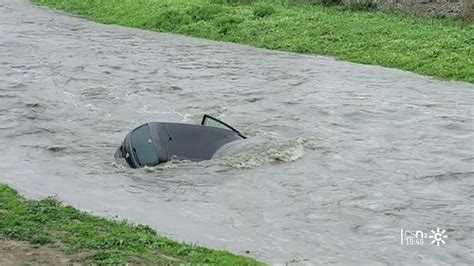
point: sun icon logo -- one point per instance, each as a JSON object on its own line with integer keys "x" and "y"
{"x": 438, "y": 236}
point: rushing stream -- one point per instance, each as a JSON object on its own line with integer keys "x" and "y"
{"x": 340, "y": 157}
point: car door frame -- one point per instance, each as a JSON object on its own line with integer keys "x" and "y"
{"x": 206, "y": 116}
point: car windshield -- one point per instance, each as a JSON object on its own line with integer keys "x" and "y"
{"x": 143, "y": 148}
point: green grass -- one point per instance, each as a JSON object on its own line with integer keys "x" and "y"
{"x": 99, "y": 240}
{"x": 442, "y": 47}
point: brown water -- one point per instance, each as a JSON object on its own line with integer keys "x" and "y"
{"x": 341, "y": 156}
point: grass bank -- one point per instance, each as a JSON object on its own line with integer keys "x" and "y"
{"x": 442, "y": 47}
{"x": 47, "y": 225}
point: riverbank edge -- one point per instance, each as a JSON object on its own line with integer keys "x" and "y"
{"x": 432, "y": 46}
{"x": 48, "y": 232}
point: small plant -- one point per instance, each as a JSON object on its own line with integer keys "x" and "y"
{"x": 263, "y": 10}
{"x": 171, "y": 19}
{"x": 227, "y": 23}
{"x": 362, "y": 5}
{"x": 331, "y": 2}
{"x": 205, "y": 12}
{"x": 235, "y": 2}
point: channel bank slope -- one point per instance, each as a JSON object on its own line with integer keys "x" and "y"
{"x": 343, "y": 155}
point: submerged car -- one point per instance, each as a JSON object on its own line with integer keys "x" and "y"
{"x": 157, "y": 142}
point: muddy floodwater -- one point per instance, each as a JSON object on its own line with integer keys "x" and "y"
{"x": 341, "y": 157}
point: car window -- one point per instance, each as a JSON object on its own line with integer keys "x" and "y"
{"x": 210, "y": 121}
{"x": 142, "y": 146}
